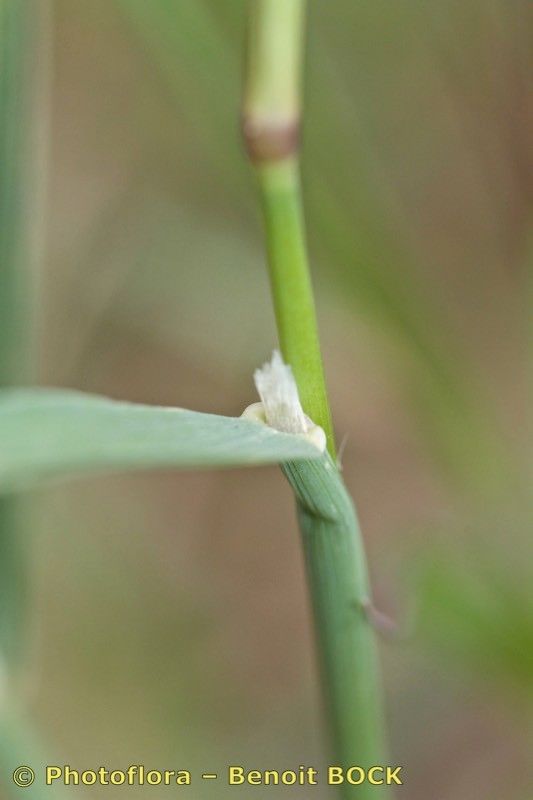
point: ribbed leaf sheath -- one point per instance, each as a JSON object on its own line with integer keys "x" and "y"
{"x": 339, "y": 591}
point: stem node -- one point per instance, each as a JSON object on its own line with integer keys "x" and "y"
{"x": 270, "y": 141}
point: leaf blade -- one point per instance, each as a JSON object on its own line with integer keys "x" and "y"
{"x": 51, "y": 433}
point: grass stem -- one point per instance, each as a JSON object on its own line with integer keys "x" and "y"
{"x": 334, "y": 553}
{"x": 291, "y": 287}
{"x": 14, "y": 294}
{"x": 340, "y": 594}
{"x": 271, "y": 123}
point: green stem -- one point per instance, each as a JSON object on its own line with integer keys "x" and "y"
{"x": 273, "y": 75}
{"x": 13, "y": 126}
{"x": 14, "y": 294}
{"x": 271, "y": 120}
{"x": 340, "y": 592}
{"x": 291, "y": 288}
{"x": 334, "y": 553}
{"x": 23, "y": 77}
{"x": 23, "y": 117}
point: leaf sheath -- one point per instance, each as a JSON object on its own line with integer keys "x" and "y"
{"x": 339, "y": 590}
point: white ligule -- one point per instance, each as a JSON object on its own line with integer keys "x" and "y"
{"x": 279, "y": 395}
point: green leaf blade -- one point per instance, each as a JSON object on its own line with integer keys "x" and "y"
{"x": 53, "y": 433}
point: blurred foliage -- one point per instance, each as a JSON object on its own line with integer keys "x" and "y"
{"x": 22, "y": 97}
{"x": 479, "y": 616}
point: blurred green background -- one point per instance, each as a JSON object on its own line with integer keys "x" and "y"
{"x": 170, "y": 623}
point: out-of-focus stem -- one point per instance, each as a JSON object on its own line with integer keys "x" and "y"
{"x": 23, "y": 104}
{"x": 23, "y": 84}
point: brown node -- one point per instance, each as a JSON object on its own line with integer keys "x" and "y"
{"x": 270, "y": 141}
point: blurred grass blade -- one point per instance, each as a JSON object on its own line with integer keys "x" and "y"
{"x": 484, "y": 615}
{"x": 178, "y": 38}
{"x": 13, "y": 122}
{"x": 47, "y": 433}
{"x": 20, "y": 746}
{"x": 24, "y": 77}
